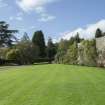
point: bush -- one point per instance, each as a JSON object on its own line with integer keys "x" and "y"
{"x": 72, "y": 54}
{"x": 87, "y": 53}
{"x": 13, "y": 54}
{"x": 42, "y": 60}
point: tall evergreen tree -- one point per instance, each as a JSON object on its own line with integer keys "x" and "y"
{"x": 38, "y": 40}
{"x": 77, "y": 38}
{"x": 98, "y": 33}
{"x": 6, "y": 35}
{"x": 51, "y": 49}
{"x": 25, "y": 38}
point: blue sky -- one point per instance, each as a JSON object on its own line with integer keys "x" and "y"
{"x": 57, "y": 18}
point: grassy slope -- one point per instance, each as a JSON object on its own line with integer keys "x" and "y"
{"x": 52, "y": 85}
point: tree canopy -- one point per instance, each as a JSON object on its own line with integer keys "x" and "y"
{"x": 6, "y": 35}
{"x": 98, "y": 33}
{"x": 51, "y": 49}
{"x": 38, "y": 40}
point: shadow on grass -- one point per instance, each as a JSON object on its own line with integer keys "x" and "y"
{"x": 45, "y": 63}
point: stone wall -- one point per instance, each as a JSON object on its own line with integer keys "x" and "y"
{"x": 100, "y": 43}
{"x": 83, "y": 55}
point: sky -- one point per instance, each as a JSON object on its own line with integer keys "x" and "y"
{"x": 56, "y": 18}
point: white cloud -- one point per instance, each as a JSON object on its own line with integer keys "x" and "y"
{"x": 28, "y": 5}
{"x": 15, "y": 18}
{"x": 38, "y": 6}
{"x": 46, "y": 17}
{"x": 40, "y": 10}
{"x": 88, "y": 32}
{"x": 18, "y": 17}
{"x": 3, "y": 4}
{"x": 32, "y": 27}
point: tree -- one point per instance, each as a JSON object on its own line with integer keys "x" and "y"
{"x": 51, "y": 49}
{"x": 88, "y": 53}
{"x": 98, "y": 33}
{"x": 77, "y": 38}
{"x": 14, "y": 54}
{"x": 72, "y": 54}
{"x": 29, "y": 52}
{"x": 3, "y": 52}
{"x": 38, "y": 40}
{"x": 6, "y": 35}
{"x": 104, "y": 34}
{"x": 61, "y": 51}
{"x": 25, "y": 38}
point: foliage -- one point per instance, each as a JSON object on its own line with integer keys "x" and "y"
{"x": 25, "y": 38}
{"x": 38, "y": 40}
{"x": 72, "y": 54}
{"x": 68, "y": 50}
{"x": 98, "y": 33}
{"x": 28, "y": 52}
{"x": 51, "y": 49}
{"x": 62, "y": 49}
{"x": 88, "y": 53}
{"x": 104, "y": 34}
{"x": 13, "y": 54}
{"x": 73, "y": 51}
{"x": 76, "y": 39}
{"x": 6, "y": 35}
{"x": 3, "y": 52}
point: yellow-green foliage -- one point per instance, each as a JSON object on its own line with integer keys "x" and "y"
{"x": 89, "y": 53}
{"x": 13, "y": 54}
{"x": 72, "y": 54}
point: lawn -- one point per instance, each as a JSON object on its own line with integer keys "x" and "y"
{"x": 52, "y": 85}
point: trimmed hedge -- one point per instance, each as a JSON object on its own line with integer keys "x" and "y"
{"x": 5, "y": 62}
{"x": 40, "y": 60}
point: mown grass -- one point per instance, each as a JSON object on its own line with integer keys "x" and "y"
{"x": 52, "y": 85}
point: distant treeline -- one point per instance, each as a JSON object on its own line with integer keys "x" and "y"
{"x": 80, "y": 51}
{"x": 25, "y": 50}
{"x": 29, "y": 51}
